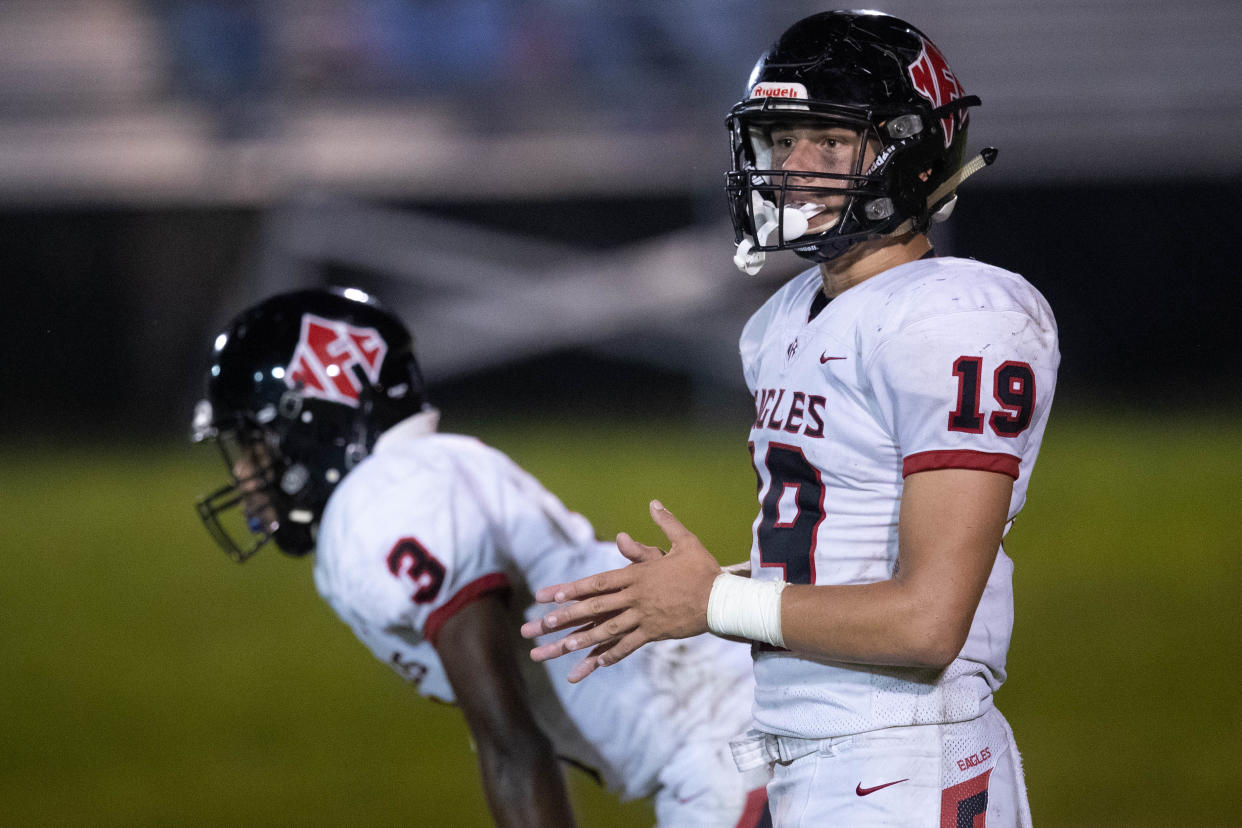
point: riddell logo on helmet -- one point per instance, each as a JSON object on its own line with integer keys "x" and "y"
{"x": 326, "y": 356}
{"x": 779, "y": 90}
{"x": 933, "y": 79}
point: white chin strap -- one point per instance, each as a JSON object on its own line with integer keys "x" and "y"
{"x": 796, "y": 220}
{"x": 983, "y": 159}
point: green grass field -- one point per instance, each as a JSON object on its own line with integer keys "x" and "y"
{"x": 147, "y": 680}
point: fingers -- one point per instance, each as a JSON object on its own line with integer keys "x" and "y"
{"x": 590, "y": 636}
{"x": 601, "y": 609}
{"x": 582, "y": 588}
{"x": 583, "y": 669}
{"x": 635, "y": 551}
{"x": 556, "y": 649}
{"x": 609, "y": 656}
{"x": 594, "y": 610}
{"x": 534, "y": 629}
{"x": 588, "y": 664}
{"x": 669, "y": 524}
{"x": 617, "y": 579}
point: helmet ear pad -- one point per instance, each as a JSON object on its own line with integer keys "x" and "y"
{"x": 315, "y": 452}
{"x": 912, "y": 175}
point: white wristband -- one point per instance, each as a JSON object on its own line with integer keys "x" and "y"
{"x": 746, "y": 608}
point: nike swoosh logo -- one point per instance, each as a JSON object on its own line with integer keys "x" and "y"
{"x": 824, "y": 358}
{"x": 861, "y": 791}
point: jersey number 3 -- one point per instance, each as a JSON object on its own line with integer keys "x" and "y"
{"x": 411, "y": 560}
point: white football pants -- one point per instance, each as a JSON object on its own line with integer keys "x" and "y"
{"x": 961, "y": 775}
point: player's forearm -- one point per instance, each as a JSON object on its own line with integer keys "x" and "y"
{"x": 950, "y": 528}
{"x": 525, "y": 790}
{"x": 886, "y": 623}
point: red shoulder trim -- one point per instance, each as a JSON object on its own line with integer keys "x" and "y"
{"x": 960, "y": 459}
{"x": 466, "y": 595}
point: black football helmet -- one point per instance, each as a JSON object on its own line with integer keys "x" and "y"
{"x": 300, "y": 387}
{"x": 873, "y": 74}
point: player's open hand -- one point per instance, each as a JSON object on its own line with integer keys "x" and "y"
{"x": 658, "y": 596}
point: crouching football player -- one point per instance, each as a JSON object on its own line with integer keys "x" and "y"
{"x": 430, "y": 547}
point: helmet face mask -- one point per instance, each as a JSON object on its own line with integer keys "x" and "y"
{"x": 242, "y": 515}
{"x": 871, "y": 74}
{"x": 822, "y": 184}
{"x": 300, "y": 388}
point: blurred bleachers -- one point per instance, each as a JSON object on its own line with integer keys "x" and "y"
{"x": 168, "y": 161}
{"x": 240, "y": 101}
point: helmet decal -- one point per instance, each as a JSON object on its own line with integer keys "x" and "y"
{"x": 326, "y": 355}
{"x": 934, "y": 80}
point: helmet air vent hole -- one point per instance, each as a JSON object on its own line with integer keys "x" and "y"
{"x": 294, "y": 479}
{"x": 290, "y": 404}
{"x": 354, "y": 454}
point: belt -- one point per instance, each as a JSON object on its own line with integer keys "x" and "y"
{"x": 755, "y": 749}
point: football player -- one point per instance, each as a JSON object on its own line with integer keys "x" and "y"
{"x": 900, "y": 402}
{"x": 430, "y": 547}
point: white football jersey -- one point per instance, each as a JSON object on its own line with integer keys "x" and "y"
{"x": 430, "y": 521}
{"x": 939, "y": 363}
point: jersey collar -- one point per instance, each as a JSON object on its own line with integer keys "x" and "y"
{"x": 423, "y": 423}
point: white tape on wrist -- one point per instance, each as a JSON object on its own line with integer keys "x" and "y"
{"x": 746, "y": 608}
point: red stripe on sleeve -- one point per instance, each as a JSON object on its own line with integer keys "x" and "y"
{"x": 466, "y": 595}
{"x": 963, "y": 459}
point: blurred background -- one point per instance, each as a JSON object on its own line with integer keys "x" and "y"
{"x": 537, "y": 187}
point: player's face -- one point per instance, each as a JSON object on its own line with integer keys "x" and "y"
{"x": 252, "y": 471}
{"x": 816, "y": 148}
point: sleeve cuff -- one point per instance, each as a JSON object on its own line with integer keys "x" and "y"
{"x": 1005, "y": 464}
{"x": 466, "y": 595}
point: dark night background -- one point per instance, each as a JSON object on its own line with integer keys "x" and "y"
{"x": 106, "y": 311}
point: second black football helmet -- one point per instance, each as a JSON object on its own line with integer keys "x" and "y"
{"x": 868, "y": 72}
{"x": 300, "y": 387}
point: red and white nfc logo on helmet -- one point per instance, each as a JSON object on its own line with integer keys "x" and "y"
{"x": 326, "y": 356}
{"x": 934, "y": 80}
